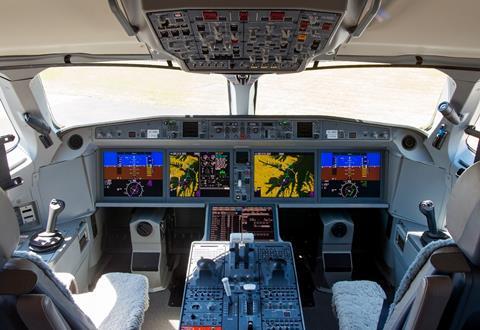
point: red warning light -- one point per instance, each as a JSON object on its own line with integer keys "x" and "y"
{"x": 277, "y": 15}
{"x": 326, "y": 26}
{"x": 210, "y": 15}
{"x": 303, "y": 25}
{"x": 243, "y": 16}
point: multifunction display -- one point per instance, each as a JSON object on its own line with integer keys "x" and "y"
{"x": 225, "y": 220}
{"x": 351, "y": 175}
{"x": 199, "y": 174}
{"x": 284, "y": 174}
{"x": 133, "y": 174}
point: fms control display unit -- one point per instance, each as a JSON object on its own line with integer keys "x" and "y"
{"x": 246, "y": 282}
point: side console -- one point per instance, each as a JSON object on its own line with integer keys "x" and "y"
{"x": 241, "y": 284}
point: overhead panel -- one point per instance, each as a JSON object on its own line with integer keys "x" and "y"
{"x": 244, "y": 40}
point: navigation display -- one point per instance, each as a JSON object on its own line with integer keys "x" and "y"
{"x": 225, "y": 220}
{"x": 133, "y": 173}
{"x": 351, "y": 175}
{"x": 199, "y": 174}
{"x": 284, "y": 174}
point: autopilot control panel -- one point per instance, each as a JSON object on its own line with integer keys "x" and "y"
{"x": 242, "y": 282}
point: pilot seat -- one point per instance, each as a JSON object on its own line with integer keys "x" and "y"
{"x": 436, "y": 282}
{"x": 32, "y": 296}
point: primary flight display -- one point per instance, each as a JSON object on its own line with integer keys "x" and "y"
{"x": 351, "y": 175}
{"x": 199, "y": 174}
{"x": 284, "y": 174}
{"x": 132, "y": 173}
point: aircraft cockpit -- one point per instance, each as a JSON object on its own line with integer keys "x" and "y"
{"x": 239, "y": 165}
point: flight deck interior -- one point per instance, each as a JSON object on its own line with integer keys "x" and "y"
{"x": 246, "y": 219}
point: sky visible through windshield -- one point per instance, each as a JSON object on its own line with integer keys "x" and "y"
{"x": 89, "y": 95}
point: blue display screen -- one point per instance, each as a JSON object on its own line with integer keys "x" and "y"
{"x": 351, "y": 174}
{"x": 330, "y": 159}
{"x": 133, "y": 173}
{"x": 114, "y": 158}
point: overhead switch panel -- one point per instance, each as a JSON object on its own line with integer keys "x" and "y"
{"x": 244, "y": 40}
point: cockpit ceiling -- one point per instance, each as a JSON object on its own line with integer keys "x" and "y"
{"x": 427, "y": 27}
{"x": 62, "y": 26}
{"x": 406, "y": 27}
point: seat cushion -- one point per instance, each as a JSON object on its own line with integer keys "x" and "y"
{"x": 119, "y": 301}
{"x": 357, "y": 304}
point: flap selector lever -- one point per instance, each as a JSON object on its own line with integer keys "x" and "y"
{"x": 51, "y": 238}
{"x": 427, "y": 208}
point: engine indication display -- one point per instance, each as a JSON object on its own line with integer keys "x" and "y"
{"x": 284, "y": 174}
{"x": 133, "y": 174}
{"x": 199, "y": 174}
{"x": 351, "y": 175}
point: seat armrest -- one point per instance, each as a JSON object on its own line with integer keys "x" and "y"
{"x": 37, "y": 311}
{"x": 69, "y": 281}
{"x": 430, "y": 302}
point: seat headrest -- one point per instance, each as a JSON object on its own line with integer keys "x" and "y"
{"x": 463, "y": 213}
{"x": 9, "y": 229}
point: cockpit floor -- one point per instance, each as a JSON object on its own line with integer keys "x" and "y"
{"x": 160, "y": 315}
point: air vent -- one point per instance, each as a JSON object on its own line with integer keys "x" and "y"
{"x": 190, "y": 129}
{"x": 75, "y": 142}
{"x": 26, "y": 215}
{"x": 144, "y": 229}
{"x": 409, "y": 142}
{"x": 304, "y": 129}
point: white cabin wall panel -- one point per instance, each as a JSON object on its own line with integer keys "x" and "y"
{"x": 417, "y": 182}
{"x": 67, "y": 181}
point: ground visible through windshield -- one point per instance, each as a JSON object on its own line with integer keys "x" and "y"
{"x": 87, "y": 95}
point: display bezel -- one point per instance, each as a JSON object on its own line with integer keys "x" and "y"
{"x": 208, "y": 217}
{"x": 100, "y": 184}
{"x": 292, "y": 200}
{"x": 198, "y": 199}
{"x": 341, "y": 200}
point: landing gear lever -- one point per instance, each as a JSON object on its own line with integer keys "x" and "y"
{"x": 427, "y": 208}
{"x": 50, "y": 239}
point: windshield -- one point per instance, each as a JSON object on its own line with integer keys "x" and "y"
{"x": 89, "y": 95}
{"x": 401, "y": 96}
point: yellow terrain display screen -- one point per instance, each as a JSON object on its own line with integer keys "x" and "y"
{"x": 199, "y": 174}
{"x": 284, "y": 174}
